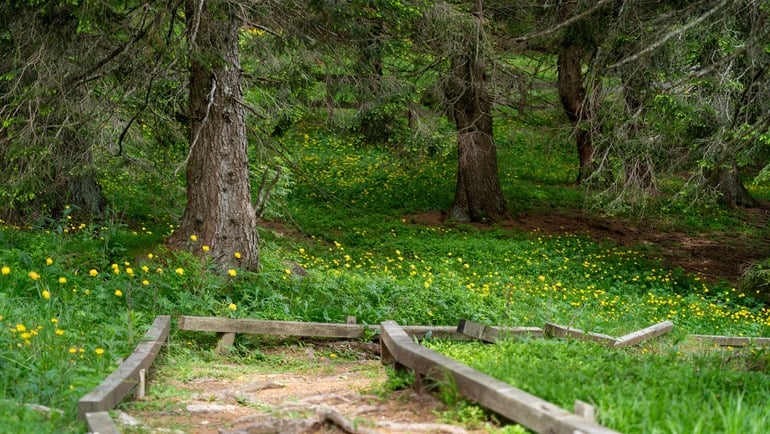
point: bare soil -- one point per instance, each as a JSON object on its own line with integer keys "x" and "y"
{"x": 292, "y": 402}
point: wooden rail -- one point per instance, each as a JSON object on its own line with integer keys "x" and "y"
{"x": 306, "y": 329}
{"x": 534, "y": 413}
{"x": 117, "y": 385}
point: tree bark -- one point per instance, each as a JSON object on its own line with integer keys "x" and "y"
{"x": 727, "y": 182}
{"x": 478, "y": 195}
{"x": 219, "y": 210}
{"x": 572, "y": 94}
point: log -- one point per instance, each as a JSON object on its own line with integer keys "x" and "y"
{"x": 117, "y": 385}
{"x": 492, "y": 334}
{"x": 644, "y": 334}
{"x": 569, "y": 332}
{"x": 514, "y": 404}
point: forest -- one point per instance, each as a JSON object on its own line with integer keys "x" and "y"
{"x": 603, "y": 164}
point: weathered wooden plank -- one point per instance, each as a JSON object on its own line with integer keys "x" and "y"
{"x": 535, "y": 413}
{"x": 266, "y": 327}
{"x": 493, "y": 334}
{"x": 117, "y": 385}
{"x": 568, "y": 332}
{"x": 644, "y": 334}
{"x": 732, "y": 341}
{"x": 307, "y": 329}
{"x": 100, "y": 422}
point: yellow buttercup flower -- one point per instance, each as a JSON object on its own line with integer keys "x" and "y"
{"x": 20, "y": 328}
{"x": 232, "y": 307}
{"x": 237, "y": 255}
{"x": 232, "y": 272}
{"x": 48, "y": 261}
{"x": 33, "y": 275}
{"x": 193, "y": 238}
{"x": 46, "y": 294}
{"x": 205, "y": 248}
{"x": 99, "y": 351}
{"x": 62, "y": 280}
{"x": 93, "y": 273}
{"x": 118, "y": 293}
{"x": 179, "y": 271}
{"x": 5, "y": 270}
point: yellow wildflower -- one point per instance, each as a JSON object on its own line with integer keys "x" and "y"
{"x": 48, "y": 261}
{"x": 99, "y": 351}
{"x": 193, "y": 238}
{"x": 59, "y": 332}
{"x": 46, "y": 294}
{"x": 118, "y": 293}
{"x": 232, "y": 307}
{"x": 205, "y": 248}
{"x": 20, "y": 328}
{"x": 5, "y": 270}
{"x": 62, "y": 280}
{"x": 33, "y": 275}
{"x": 232, "y": 272}
{"x": 179, "y": 271}
{"x": 237, "y": 255}
{"x": 145, "y": 282}
{"x": 93, "y": 273}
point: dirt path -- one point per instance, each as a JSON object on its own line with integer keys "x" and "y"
{"x": 212, "y": 400}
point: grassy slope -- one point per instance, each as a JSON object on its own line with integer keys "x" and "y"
{"x": 368, "y": 255}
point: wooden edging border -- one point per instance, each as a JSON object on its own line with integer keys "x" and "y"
{"x": 397, "y": 346}
{"x": 510, "y": 402}
{"x": 305, "y": 329}
{"x": 117, "y": 385}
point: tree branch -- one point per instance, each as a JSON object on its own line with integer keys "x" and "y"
{"x": 666, "y": 37}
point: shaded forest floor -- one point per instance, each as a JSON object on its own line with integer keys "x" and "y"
{"x": 712, "y": 255}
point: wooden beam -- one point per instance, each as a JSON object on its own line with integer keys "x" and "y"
{"x": 306, "y": 329}
{"x": 534, "y": 413}
{"x": 276, "y": 328}
{"x": 644, "y": 334}
{"x": 492, "y": 334}
{"x": 117, "y": 385}
{"x": 732, "y": 341}
{"x": 569, "y": 332}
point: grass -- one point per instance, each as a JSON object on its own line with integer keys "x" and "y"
{"x": 658, "y": 388}
{"x": 76, "y": 296}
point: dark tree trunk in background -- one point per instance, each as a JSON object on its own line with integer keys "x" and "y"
{"x": 727, "y": 182}
{"x": 572, "y": 94}
{"x": 219, "y": 209}
{"x": 478, "y": 196}
{"x": 74, "y": 182}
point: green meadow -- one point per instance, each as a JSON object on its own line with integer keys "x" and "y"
{"x": 76, "y": 297}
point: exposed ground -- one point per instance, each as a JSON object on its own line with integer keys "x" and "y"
{"x": 308, "y": 401}
{"x": 328, "y": 395}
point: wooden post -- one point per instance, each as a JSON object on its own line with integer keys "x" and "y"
{"x": 225, "y": 343}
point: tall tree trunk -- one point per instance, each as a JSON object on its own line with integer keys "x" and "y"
{"x": 478, "y": 196}
{"x": 572, "y": 94}
{"x": 219, "y": 210}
